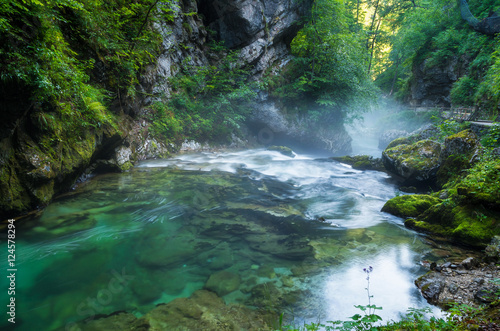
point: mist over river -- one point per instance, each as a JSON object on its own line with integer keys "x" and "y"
{"x": 303, "y": 226}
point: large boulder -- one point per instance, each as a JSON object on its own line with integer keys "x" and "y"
{"x": 432, "y": 285}
{"x": 409, "y": 205}
{"x": 223, "y": 282}
{"x": 465, "y": 143}
{"x": 417, "y": 164}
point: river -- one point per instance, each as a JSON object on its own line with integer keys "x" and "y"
{"x": 307, "y": 226}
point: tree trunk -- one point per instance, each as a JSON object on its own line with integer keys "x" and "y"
{"x": 373, "y": 46}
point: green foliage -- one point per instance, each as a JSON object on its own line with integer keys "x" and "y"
{"x": 433, "y": 35}
{"x": 448, "y": 128}
{"x": 50, "y": 48}
{"x": 462, "y": 92}
{"x": 492, "y": 138}
{"x": 329, "y": 68}
{"x": 211, "y": 102}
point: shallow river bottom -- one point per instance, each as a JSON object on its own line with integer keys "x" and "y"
{"x": 304, "y": 227}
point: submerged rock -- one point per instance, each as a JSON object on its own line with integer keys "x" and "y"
{"x": 361, "y": 162}
{"x": 203, "y": 310}
{"x": 282, "y": 149}
{"x": 223, "y": 282}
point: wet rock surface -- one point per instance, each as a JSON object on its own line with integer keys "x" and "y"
{"x": 416, "y": 164}
{"x": 362, "y": 162}
{"x": 204, "y": 310}
{"x": 468, "y": 282}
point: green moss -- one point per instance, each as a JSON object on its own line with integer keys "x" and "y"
{"x": 13, "y": 197}
{"x": 282, "y": 149}
{"x": 410, "y": 205}
{"x": 452, "y": 169}
{"x": 482, "y": 184}
{"x": 464, "y": 224}
{"x": 400, "y": 141}
{"x": 361, "y": 162}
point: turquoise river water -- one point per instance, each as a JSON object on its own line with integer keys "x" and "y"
{"x": 307, "y": 226}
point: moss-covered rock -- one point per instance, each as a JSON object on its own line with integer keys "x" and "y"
{"x": 410, "y": 205}
{"x": 464, "y": 224}
{"x": 400, "y": 141}
{"x": 361, "y": 162}
{"x": 452, "y": 169}
{"x": 282, "y": 149}
{"x": 481, "y": 186}
{"x": 416, "y": 164}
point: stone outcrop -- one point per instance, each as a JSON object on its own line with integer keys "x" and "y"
{"x": 416, "y": 164}
{"x": 468, "y": 282}
{"x": 409, "y": 205}
{"x": 431, "y": 84}
{"x": 419, "y": 160}
{"x": 467, "y": 209}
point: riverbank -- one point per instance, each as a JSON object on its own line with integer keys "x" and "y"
{"x": 455, "y": 168}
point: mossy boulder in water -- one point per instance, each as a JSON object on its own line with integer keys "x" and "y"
{"x": 282, "y": 149}
{"x": 361, "y": 162}
{"x": 409, "y": 205}
{"x": 416, "y": 164}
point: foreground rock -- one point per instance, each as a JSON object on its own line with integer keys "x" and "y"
{"x": 468, "y": 282}
{"x": 204, "y": 310}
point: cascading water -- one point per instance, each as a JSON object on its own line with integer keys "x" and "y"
{"x": 307, "y": 227}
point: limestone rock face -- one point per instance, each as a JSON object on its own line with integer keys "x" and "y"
{"x": 262, "y": 29}
{"x": 431, "y": 84}
{"x": 416, "y": 163}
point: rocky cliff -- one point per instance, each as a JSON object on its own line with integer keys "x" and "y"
{"x": 431, "y": 84}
